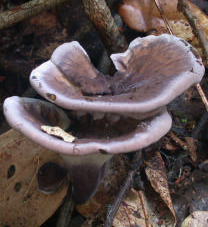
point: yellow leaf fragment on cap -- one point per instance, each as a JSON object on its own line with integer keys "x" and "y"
{"x": 57, "y": 131}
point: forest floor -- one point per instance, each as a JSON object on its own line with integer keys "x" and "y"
{"x": 184, "y": 150}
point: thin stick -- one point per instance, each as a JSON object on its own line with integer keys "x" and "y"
{"x": 162, "y": 13}
{"x": 99, "y": 14}
{"x": 26, "y": 10}
{"x": 203, "y": 97}
{"x": 182, "y": 144}
{"x": 136, "y": 163}
{"x": 114, "y": 208}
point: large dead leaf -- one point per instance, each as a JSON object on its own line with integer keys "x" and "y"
{"x": 21, "y": 204}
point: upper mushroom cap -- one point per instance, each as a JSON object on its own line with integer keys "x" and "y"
{"x": 151, "y": 73}
{"x": 28, "y": 115}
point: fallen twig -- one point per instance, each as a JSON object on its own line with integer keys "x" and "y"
{"x": 178, "y": 141}
{"x": 203, "y": 97}
{"x": 162, "y": 13}
{"x": 128, "y": 182}
{"x": 99, "y": 14}
{"x": 114, "y": 208}
{"x": 26, "y": 10}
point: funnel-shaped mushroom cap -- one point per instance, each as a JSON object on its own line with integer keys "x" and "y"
{"x": 85, "y": 156}
{"x": 28, "y": 115}
{"x": 151, "y": 73}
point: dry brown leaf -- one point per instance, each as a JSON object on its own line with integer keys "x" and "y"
{"x": 149, "y": 207}
{"x": 21, "y": 204}
{"x": 192, "y": 147}
{"x": 132, "y": 211}
{"x": 143, "y": 208}
{"x": 156, "y": 173}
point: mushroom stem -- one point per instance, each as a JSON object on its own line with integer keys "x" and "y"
{"x": 86, "y": 171}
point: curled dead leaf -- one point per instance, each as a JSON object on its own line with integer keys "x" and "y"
{"x": 156, "y": 173}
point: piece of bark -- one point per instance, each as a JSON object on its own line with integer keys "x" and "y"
{"x": 26, "y": 10}
{"x": 99, "y": 14}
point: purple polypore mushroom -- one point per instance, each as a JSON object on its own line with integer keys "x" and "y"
{"x": 95, "y": 140}
{"x": 151, "y": 73}
{"x": 112, "y": 115}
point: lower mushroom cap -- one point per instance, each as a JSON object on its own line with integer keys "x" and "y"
{"x": 98, "y": 137}
{"x": 28, "y": 115}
